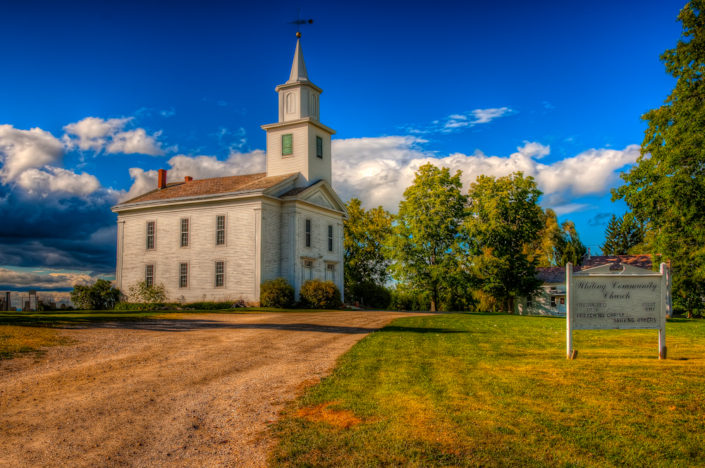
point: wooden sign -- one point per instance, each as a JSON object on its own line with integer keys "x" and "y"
{"x": 616, "y": 297}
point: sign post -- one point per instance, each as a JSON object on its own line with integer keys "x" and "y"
{"x": 616, "y": 297}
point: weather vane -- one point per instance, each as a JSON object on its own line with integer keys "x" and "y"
{"x": 299, "y": 22}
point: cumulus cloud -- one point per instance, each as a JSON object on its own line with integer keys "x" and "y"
{"x": 55, "y": 179}
{"x": 96, "y": 134}
{"x": 378, "y": 170}
{"x": 198, "y": 167}
{"x": 456, "y": 122}
{"x": 25, "y": 149}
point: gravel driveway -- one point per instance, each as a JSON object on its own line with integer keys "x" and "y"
{"x": 195, "y": 391}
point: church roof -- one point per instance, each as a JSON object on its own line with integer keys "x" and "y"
{"x": 215, "y": 186}
{"x": 557, "y": 274}
{"x": 298, "y": 68}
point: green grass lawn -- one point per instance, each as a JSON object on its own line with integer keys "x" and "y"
{"x": 496, "y": 390}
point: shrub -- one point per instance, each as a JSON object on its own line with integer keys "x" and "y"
{"x": 318, "y": 294}
{"x": 142, "y": 292}
{"x": 277, "y": 293}
{"x": 406, "y": 298}
{"x": 369, "y": 294}
{"x": 101, "y": 295}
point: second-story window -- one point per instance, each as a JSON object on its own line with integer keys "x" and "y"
{"x": 330, "y": 238}
{"x": 308, "y": 233}
{"x": 149, "y": 275}
{"x": 150, "y": 235}
{"x": 319, "y": 147}
{"x": 220, "y": 230}
{"x": 183, "y": 275}
{"x": 184, "y": 233}
{"x": 287, "y": 144}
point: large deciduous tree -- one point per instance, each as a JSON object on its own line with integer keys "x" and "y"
{"x": 366, "y": 231}
{"x": 666, "y": 188}
{"x": 502, "y": 229}
{"x": 424, "y": 244}
{"x": 558, "y": 243}
{"x": 99, "y": 296}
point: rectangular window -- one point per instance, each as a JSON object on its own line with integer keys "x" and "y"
{"x": 330, "y": 272}
{"x": 319, "y": 147}
{"x": 553, "y": 301}
{"x": 219, "y": 274}
{"x": 308, "y": 233}
{"x": 220, "y": 230}
{"x": 149, "y": 275}
{"x": 287, "y": 144}
{"x": 184, "y": 233}
{"x": 150, "y": 235}
{"x": 183, "y": 275}
{"x": 330, "y": 238}
{"x": 530, "y": 301}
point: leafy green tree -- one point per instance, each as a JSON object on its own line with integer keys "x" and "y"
{"x": 100, "y": 296}
{"x": 558, "y": 243}
{"x": 666, "y": 188}
{"x": 366, "y": 232}
{"x": 503, "y": 226}
{"x": 424, "y": 245}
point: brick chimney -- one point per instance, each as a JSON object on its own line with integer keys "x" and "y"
{"x": 188, "y": 179}
{"x": 161, "y": 179}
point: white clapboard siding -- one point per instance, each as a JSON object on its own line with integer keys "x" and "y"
{"x": 280, "y": 165}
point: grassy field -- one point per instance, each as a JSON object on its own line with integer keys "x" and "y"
{"x": 496, "y": 391}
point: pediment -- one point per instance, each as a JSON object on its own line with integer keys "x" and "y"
{"x": 318, "y": 198}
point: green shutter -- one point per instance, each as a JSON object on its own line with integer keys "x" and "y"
{"x": 319, "y": 147}
{"x": 287, "y": 145}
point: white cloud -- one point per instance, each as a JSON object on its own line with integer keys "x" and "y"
{"x": 25, "y": 149}
{"x": 378, "y": 170}
{"x": 43, "y": 280}
{"x": 455, "y": 122}
{"x": 57, "y": 180}
{"x": 198, "y": 167}
{"x": 96, "y": 134}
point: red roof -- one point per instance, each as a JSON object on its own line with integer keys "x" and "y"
{"x": 215, "y": 186}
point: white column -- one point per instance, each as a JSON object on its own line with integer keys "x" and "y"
{"x": 258, "y": 251}
{"x": 120, "y": 254}
{"x": 569, "y": 310}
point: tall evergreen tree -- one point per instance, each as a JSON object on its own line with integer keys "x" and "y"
{"x": 424, "y": 244}
{"x": 613, "y": 237}
{"x": 666, "y": 188}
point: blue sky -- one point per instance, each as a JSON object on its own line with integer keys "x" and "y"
{"x": 115, "y": 90}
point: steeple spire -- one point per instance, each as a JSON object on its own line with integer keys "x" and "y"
{"x": 298, "y": 68}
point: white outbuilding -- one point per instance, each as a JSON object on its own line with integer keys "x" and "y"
{"x": 221, "y": 238}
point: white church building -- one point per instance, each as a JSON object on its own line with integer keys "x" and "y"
{"x": 223, "y": 237}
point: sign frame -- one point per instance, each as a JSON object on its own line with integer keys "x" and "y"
{"x": 604, "y": 271}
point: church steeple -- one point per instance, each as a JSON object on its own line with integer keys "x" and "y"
{"x": 299, "y": 142}
{"x": 298, "y": 68}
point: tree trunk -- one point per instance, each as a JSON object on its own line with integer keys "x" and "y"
{"x": 510, "y": 302}
{"x": 690, "y": 314}
{"x": 433, "y": 304}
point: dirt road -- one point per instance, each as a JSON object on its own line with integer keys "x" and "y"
{"x": 197, "y": 391}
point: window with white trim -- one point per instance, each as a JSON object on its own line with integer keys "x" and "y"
{"x": 149, "y": 275}
{"x": 529, "y": 301}
{"x": 184, "y": 232}
{"x": 330, "y": 238}
{"x": 308, "y": 233}
{"x": 308, "y": 270}
{"x": 183, "y": 275}
{"x": 150, "y": 235}
{"x": 330, "y": 272}
{"x": 219, "y": 274}
{"x": 319, "y": 147}
{"x": 220, "y": 230}
{"x": 553, "y": 301}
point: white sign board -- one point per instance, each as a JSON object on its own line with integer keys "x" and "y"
{"x": 610, "y": 298}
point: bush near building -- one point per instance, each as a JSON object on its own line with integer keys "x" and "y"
{"x": 317, "y": 294}
{"x": 277, "y": 293}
